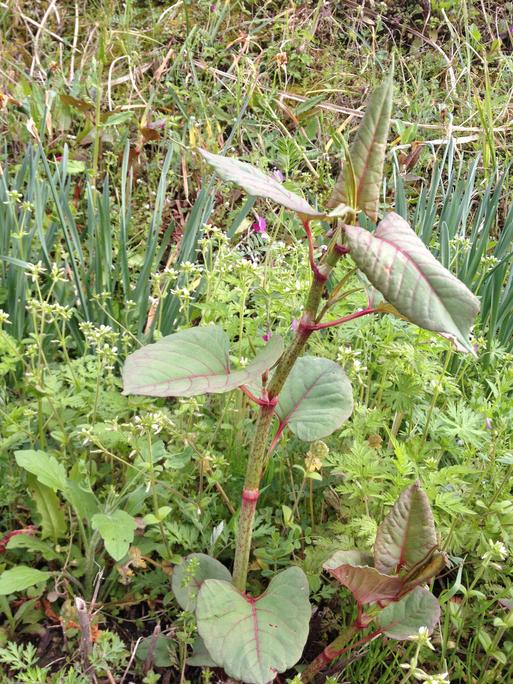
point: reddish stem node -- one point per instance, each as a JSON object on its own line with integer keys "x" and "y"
{"x": 342, "y": 249}
{"x": 261, "y": 401}
{"x": 250, "y": 495}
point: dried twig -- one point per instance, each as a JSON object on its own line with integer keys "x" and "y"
{"x": 84, "y": 621}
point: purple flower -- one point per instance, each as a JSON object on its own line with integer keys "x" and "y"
{"x": 294, "y": 325}
{"x": 260, "y": 225}
{"x": 489, "y": 425}
{"x": 266, "y": 336}
{"x": 278, "y": 175}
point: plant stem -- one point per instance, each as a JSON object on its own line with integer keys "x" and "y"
{"x": 331, "y": 652}
{"x": 258, "y": 455}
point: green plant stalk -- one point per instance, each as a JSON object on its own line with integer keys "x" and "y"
{"x": 258, "y": 455}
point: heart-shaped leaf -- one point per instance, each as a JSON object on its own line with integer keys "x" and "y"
{"x": 254, "y": 639}
{"x": 191, "y": 573}
{"x": 21, "y": 577}
{"x": 397, "y": 262}
{"x": 193, "y": 361}
{"x": 257, "y": 183}
{"x": 316, "y": 399}
{"x": 117, "y": 531}
{"x": 361, "y": 175}
{"x": 407, "y": 534}
{"x": 46, "y": 468}
{"x": 404, "y": 618}
{"x": 365, "y": 583}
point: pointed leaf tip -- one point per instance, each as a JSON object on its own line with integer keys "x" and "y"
{"x": 258, "y": 184}
{"x": 191, "y": 362}
{"x": 401, "y": 267}
{"x": 407, "y": 534}
{"x": 362, "y": 173}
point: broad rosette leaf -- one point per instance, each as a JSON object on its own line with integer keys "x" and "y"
{"x": 407, "y": 534}
{"x": 193, "y": 361}
{"x": 316, "y": 398}
{"x": 404, "y": 618}
{"x": 188, "y": 579}
{"x": 361, "y": 174}
{"x": 254, "y": 639}
{"x": 258, "y": 184}
{"x": 400, "y": 266}
{"x": 365, "y": 583}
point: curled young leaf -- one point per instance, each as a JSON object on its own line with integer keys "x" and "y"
{"x": 258, "y": 184}
{"x": 366, "y": 584}
{"x": 400, "y": 266}
{"x": 316, "y": 399}
{"x": 359, "y": 182}
{"x": 193, "y": 361}
{"x": 407, "y": 534}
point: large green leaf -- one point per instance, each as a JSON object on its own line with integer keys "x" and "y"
{"x": 407, "y": 534}
{"x": 363, "y": 173}
{"x": 254, "y": 639}
{"x": 404, "y": 618}
{"x": 81, "y": 499}
{"x": 365, "y": 583}
{"x": 257, "y": 183}
{"x": 316, "y": 398}
{"x": 117, "y": 531}
{"x": 193, "y": 361}
{"x": 46, "y": 468}
{"x": 191, "y": 573}
{"x": 400, "y": 266}
{"x": 21, "y": 577}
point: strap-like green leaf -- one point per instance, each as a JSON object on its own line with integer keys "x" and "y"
{"x": 407, "y": 534}
{"x": 400, "y": 266}
{"x": 366, "y": 584}
{"x": 255, "y": 638}
{"x": 257, "y": 183}
{"x": 316, "y": 398}
{"x": 367, "y": 154}
{"x": 404, "y": 618}
{"x": 193, "y": 361}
